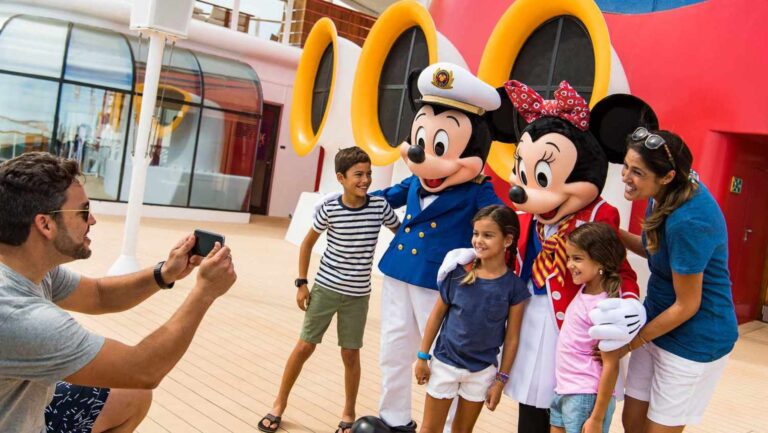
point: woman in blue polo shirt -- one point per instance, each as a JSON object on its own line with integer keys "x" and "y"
{"x": 678, "y": 357}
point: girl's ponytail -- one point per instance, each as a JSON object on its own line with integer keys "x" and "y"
{"x": 511, "y": 254}
{"x": 472, "y": 273}
{"x": 612, "y": 283}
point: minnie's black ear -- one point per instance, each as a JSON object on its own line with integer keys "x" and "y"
{"x": 414, "y": 96}
{"x": 614, "y": 118}
{"x": 503, "y": 121}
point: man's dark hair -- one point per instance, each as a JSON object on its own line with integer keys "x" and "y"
{"x": 31, "y": 184}
{"x": 348, "y": 157}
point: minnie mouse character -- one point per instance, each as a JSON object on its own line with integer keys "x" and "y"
{"x": 561, "y": 163}
{"x": 457, "y": 118}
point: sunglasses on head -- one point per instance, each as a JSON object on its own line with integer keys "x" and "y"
{"x": 85, "y": 214}
{"x": 652, "y": 141}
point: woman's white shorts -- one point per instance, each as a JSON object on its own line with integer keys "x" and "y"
{"x": 677, "y": 389}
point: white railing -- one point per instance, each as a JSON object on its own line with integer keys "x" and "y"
{"x": 211, "y": 12}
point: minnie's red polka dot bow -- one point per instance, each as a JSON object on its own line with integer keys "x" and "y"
{"x": 567, "y": 105}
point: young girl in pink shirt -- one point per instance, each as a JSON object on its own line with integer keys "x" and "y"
{"x": 584, "y": 400}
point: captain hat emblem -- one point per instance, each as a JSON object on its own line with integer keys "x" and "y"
{"x": 443, "y": 78}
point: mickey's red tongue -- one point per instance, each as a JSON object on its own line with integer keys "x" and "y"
{"x": 549, "y": 215}
{"x": 434, "y": 183}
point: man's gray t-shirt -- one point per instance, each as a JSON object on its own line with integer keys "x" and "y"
{"x": 40, "y": 344}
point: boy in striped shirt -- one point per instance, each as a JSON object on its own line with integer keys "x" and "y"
{"x": 343, "y": 282}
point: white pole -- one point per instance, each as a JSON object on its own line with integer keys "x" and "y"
{"x": 127, "y": 261}
{"x": 234, "y": 19}
{"x": 288, "y": 22}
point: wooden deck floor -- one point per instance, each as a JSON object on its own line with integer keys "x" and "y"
{"x": 228, "y": 379}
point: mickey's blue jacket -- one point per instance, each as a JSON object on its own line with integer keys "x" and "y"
{"x": 425, "y": 236}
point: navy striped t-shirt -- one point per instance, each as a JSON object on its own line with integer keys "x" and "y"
{"x": 352, "y": 234}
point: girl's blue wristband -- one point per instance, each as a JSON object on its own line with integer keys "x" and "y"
{"x": 423, "y": 356}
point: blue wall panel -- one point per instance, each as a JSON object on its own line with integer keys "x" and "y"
{"x": 641, "y": 6}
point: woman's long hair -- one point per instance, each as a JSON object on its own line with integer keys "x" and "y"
{"x": 675, "y": 193}
{"x": 601, "y": 242}
{"x": 506, "y": 219}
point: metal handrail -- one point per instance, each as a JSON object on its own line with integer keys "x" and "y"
{"x": 286, "y": 33}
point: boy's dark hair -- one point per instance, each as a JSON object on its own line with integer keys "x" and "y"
{"x": 31, "y": 184}
{"x": 346, "y": 158}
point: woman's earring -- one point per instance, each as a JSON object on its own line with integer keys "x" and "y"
{"x": 600, "y": 271}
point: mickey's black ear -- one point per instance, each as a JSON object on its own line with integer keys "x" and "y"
{"x": 503, "y": 121}
{"x": 414, "y": 96}
{"x": 614, "y": 118}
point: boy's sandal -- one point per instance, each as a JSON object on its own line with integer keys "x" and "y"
{"x": 343, "y": 427}
{"x": 273, "y": 421}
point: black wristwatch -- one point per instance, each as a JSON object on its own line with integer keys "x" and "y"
{"x": 300, "y": 282}
{"x": 159, "y": 276}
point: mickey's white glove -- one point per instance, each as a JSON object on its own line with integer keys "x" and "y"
{"x": 326, "y": 198}
{"x": 459, "y": 256}
{"x": 616, "y": 322}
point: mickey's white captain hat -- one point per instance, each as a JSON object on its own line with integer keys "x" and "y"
{"x": 453, "y": 86}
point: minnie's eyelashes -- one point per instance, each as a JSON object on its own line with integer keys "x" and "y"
{"x": 548, "y": 158}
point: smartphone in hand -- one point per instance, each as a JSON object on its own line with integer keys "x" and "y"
{"x": 205, "y": 241}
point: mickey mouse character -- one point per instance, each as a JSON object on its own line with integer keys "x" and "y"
{"x": 561, "y": 163}
{"x": 457, "y": 118}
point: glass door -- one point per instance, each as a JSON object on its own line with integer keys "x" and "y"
{"x": 265, "y": 157}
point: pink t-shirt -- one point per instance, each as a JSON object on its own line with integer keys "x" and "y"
{"x": 576, "y": 372}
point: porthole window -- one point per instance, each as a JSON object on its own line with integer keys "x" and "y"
{"x": 560, "y": 49}
{"x": 322, "y": 88}
{"x": 409, "y": 52}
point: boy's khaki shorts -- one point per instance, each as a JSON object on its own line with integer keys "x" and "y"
{"x": 350, "y": 323}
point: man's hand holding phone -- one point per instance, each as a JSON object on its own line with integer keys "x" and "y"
{"x": 180, "y": 263}
{"x": 217, "y": 272}
{"x": 188, "y": 253}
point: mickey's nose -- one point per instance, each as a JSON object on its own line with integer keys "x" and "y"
{"x": 416, "y": 154}
{"x": 517, "y": 195}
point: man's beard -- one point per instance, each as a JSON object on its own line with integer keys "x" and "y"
{"x": 66, "y": 246}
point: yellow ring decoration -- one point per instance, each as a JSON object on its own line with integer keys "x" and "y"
{"x": 163, "y": 130}
{"x": 365, "y": 91}
{"x": 303, "y": 138}
{"x": 510, "y": 34}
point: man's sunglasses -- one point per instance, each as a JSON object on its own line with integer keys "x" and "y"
{"x": 85, "y": 214}
{"x": 653, "y": 142}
